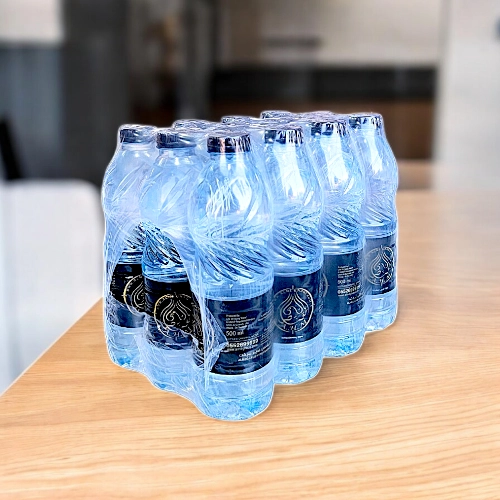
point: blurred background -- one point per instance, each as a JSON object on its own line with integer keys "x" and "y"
{"x": 72, "y": 71}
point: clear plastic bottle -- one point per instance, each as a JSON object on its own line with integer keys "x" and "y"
{"x": 230, "y": 219}
{"x": 170, "y": 323}
{"x": 342, "y": 235}
{"x": 379, "y": 219}
{"x": 296, "y": 253}
{"x": 124, "y": 242}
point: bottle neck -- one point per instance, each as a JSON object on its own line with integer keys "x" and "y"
{"x": 369, "y": 131}
{"x": 230, "y": 158}
{"x": 287, "y": 146}
{"x": 333, "y": 140}
{"x": 177, "y": 152}
{"x": 230, "y": 164}
{"x": 136, "y": 146}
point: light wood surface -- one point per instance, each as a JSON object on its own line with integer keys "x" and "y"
{"x": 416, "y": 174}
{"x": 414, "y": 414}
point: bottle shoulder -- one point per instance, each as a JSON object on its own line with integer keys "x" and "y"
{"x": 293, "y": 182}
{"x": 342, "y": 176}
{"x": 226, "y": 206}
{"x": 122, "y": 184}
{"x": 379, "y": 161}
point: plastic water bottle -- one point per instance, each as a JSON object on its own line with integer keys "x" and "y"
{"x": 231, "y": 220}
{"x": 379, "y": 219}
{"x": 169, "y": 322}
{"x": 296, "y": 253}
{"x": 124, "y": 242}
{"x": 342, "y": 236}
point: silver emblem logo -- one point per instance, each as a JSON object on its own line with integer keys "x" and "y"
{"x": 296, "y": 309}
{"x": 380, "y": 265}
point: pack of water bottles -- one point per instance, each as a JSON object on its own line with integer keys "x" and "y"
{"x": 239, "y": 254}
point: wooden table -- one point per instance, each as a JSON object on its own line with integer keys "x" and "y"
{"x": 415, "y": 414}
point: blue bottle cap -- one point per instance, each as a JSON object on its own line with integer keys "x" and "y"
{"x": 228, "y": 140}
{"x": 137, "y": 133}
{"x": 284, "y": 134}
{"x": 329, "y": 126}
{"x": 169, "y": 138}
{"x": 366, "y": 120}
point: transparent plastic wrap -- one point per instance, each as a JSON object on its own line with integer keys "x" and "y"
{"x": 198, "y": 131}
{"x": 255, "y": 127}
{"x": 190, "y": 124}
{"x": 237, "y": 119}
{"x": 124, "y": 241}
{"x": 235, "y": 253}
{"x": 274, "y": 113}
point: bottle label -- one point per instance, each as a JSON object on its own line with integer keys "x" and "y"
{"x": 247, "y": 325}
{"x": 298, "y": 307}
{"x": 127, "y": 287}
{"x": 169, "y": 309}
{"x": 381, "y": 258}
{"x": 342, "y": 284}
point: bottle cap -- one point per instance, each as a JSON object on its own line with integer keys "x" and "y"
{"x": 329, "y": 126}
{"x": 169, "y": 138}
{"x": 137, "y": 133}
{"x": 284, "y": 134}
{"x": 366, "y": 120}
{"x": 229, "y": 140}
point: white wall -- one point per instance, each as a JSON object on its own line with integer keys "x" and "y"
{"x": 31, "y": 21}
{"x": 349, "y": 32}
{"x": 7, "y": 371}
{"x": 468, "y": 126}
{"x": 361, "y": 31}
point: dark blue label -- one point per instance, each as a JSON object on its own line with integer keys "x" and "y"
{"x": 247, "y": 325}
{"x": 126, "y": 287}
{"x": 298, "y": 307}
{"x": 169, "y": 313}
{"x": 380, "y": 264}
{"x": 343, "y": 284}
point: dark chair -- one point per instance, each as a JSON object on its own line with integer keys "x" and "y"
{"x": 10, "y": 159}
